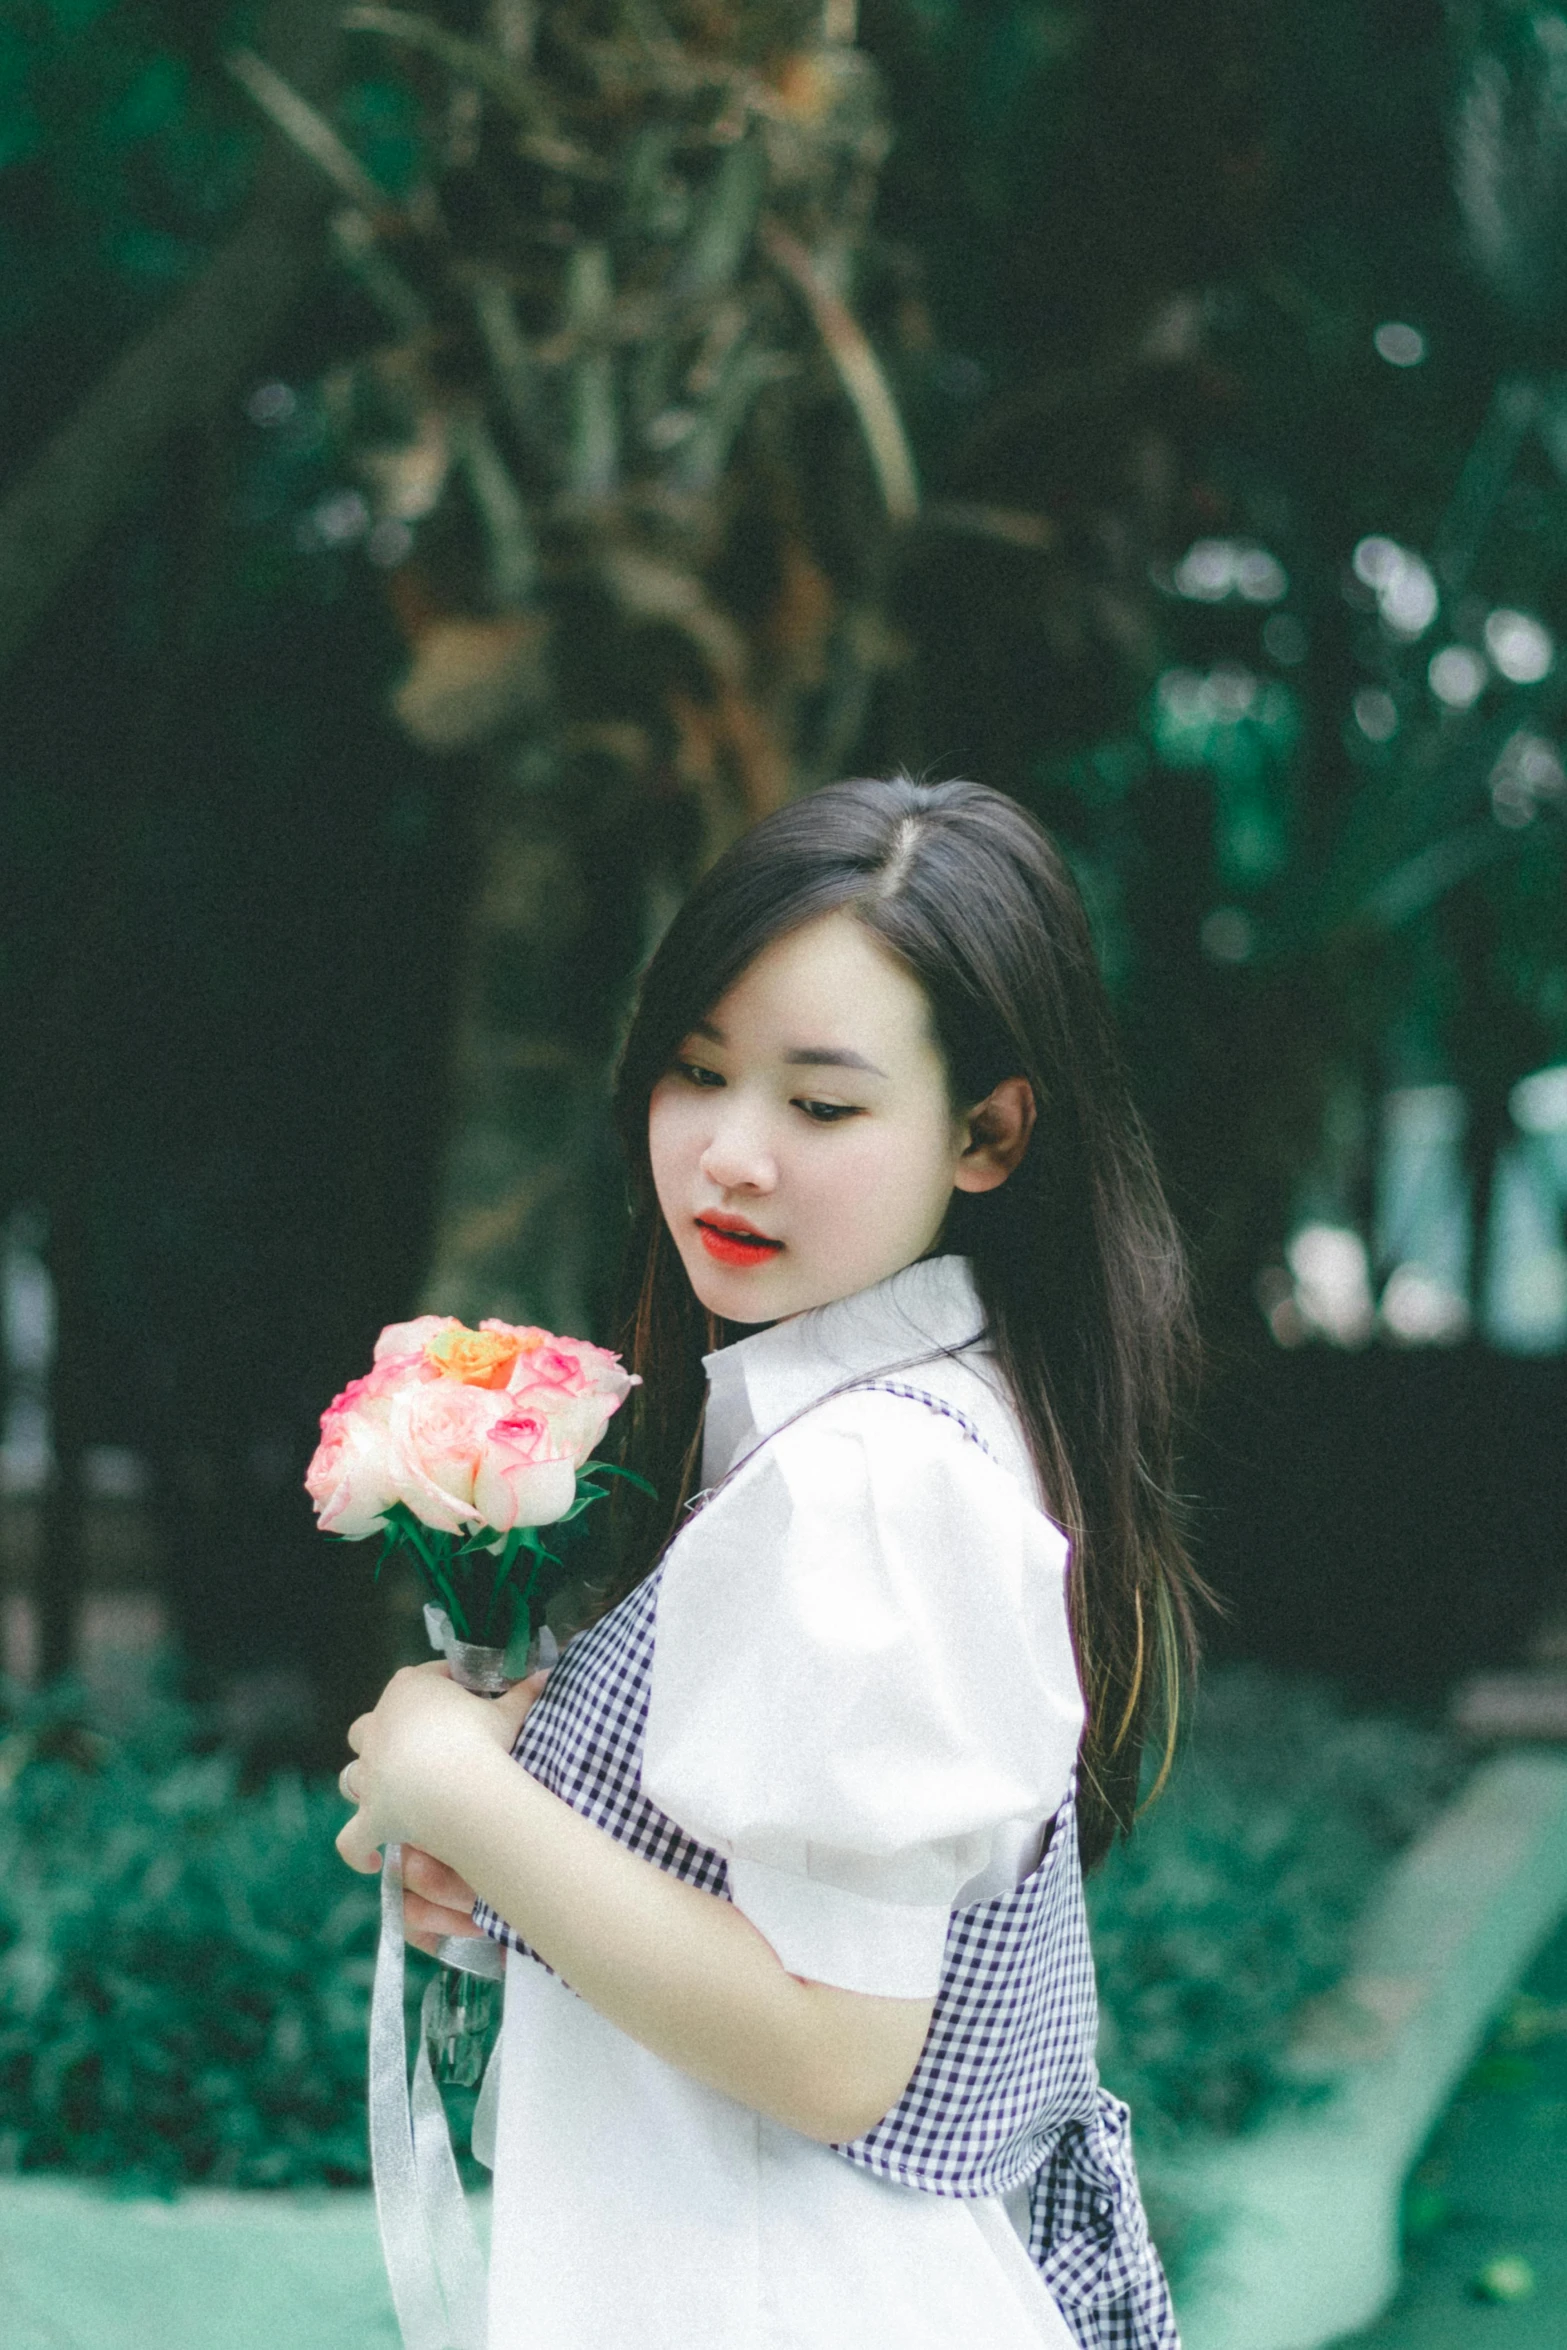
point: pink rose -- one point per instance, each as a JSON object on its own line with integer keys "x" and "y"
{"x": 405, "y": 1341}
{"x": 571, "y": 1364}
{"x": 351, "y": 1477}
{"x": 524, "y": 1478}
{"x": 555, "y": 1365}
{"x": 465, "y": 1428}
{"x": 438, "y": 1430}
{"x": 353, "y": 1397}
{"x": 527, "y": 1334}
{"x": 575, "y": 1422}
{"x": 371, "y": 1395}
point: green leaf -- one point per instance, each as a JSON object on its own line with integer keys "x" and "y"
{"x": 481, "y": 1539}
{"x": 446, "y": 1592}
{"x": 585, "y": 1499}
{"x": 613, "y": 1469}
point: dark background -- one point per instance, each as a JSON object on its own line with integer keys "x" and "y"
{"x": 1124, "y": 269}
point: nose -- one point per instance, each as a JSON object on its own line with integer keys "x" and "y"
{"x": 738, "y": 1156}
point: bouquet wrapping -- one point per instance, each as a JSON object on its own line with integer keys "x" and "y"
{"x": 457, "y": 1446}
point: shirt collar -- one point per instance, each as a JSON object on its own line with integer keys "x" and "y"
{"x": 759, "y": 1382}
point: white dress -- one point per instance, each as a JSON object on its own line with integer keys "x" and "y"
{"x": 863, "y": 1695}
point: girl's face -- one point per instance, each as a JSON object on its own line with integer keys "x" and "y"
{"x": 803, "y": 1144}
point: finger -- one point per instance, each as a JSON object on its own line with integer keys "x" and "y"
{"x": 356, "y": 1846}
{"x": 518, "y": 1701}
{"x": 356, "y": 1734}
{"x": 347, "y": 1785}
{"x": 433, "y": 1917}
{"x": 435, "y": 1880}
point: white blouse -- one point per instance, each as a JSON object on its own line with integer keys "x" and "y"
{"x": 863, "y": 1694}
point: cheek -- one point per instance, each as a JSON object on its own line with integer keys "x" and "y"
{"x": 885, "y": 1171}
{"x": 670, "y": 1143}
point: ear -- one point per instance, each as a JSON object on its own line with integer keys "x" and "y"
{"x": 998, "y": 1132}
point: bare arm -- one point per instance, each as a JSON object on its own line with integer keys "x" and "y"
{"x": 685, "y": 1975}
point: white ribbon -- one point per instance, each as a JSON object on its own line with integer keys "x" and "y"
{"x": 486, "y": 2108}
{"x": 433, "y": 2261}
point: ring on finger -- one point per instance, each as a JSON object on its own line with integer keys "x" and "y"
{"x": 345, "y": 1784}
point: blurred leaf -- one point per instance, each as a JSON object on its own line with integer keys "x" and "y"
{"x": 184, "y": 1966}
{"x": 1235, "y": 1901}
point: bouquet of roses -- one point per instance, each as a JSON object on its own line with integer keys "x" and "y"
{"x": 458, "y": 1445}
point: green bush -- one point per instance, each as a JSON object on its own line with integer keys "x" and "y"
{"x": 185, "y": 1964}
{"x": 1235, "y": 1901}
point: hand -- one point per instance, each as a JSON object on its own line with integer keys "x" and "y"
{"x": 436, "y": 1901}
{"x": 414, "y": 1754}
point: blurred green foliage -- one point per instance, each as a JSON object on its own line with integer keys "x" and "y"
{"x": 122, "y": 156}
{"x": 126, "y": 153}
{"x": 1235, "y": 1902}
{"x": 1157, "y": 243}
{"x": 185, "y": 1965}
{"x": 1126, "y": 268}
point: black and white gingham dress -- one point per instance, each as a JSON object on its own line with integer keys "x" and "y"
{"x": 1006, "y": 2093}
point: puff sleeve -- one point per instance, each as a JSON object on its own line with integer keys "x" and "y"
{"x": 862, "y": 1678}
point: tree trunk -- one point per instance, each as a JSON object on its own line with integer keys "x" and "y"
{"x": 182, "y": 369}
{"x": 650, "y": 595}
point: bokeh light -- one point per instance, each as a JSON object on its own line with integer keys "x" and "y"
{"x": 1519, "y": 645}
{"x": 1539, "y": 1103}
{"x": 1332, "y": 1275}
{"x": 1376, "y": 714}
{"x": 1402, "y": 583}
{"x": 1284, "y": 639}
{"x": 1400, "y": 344}
{"x": 1528, "y": 771}
{"x": 1418, "y": 1309}
{"x": 271, "y": 404}
{"x": 1229, "y": 936}
{"x": 1213, "y": 569}
{"x": 1457, "y": 676}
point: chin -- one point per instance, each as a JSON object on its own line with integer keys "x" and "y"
{"x": 742, "y": 1304}
{"x": 750, "y": 1297}
{"x": 732, "y": 1299}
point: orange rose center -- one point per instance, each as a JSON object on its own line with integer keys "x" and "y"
{"x": 479, "y": 1358}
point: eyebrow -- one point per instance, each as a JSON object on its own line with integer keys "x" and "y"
{"x": 805, "y": 1056}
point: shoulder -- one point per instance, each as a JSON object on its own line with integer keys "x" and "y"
{"x": 951, "y": 1421}
{"x": 890, "y": 1462}
{"x": 863, "y": 1643}
{"x": 956, "y": 1400}
{"x": 886, "y": 1420}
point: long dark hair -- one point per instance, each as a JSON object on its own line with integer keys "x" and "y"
{"x": 1076, "y": 1258}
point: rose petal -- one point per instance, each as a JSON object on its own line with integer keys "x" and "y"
{"x": 511, "y": 1490}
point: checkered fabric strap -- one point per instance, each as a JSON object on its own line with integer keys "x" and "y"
{"x": 933, "y": 1403}
{"x": 1089, "y": 2237}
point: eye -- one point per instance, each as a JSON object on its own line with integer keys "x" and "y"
{"x": 828, "y": 1113}
{"x": 694, "y": 1073}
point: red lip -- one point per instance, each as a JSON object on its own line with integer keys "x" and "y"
{"x": 735, "y": 1242}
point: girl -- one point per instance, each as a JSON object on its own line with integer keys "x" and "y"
{"x": 801, "y": 1816}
